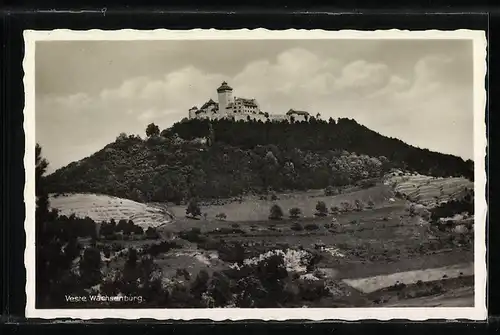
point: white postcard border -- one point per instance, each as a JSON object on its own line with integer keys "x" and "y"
{"x": 478, "y": 312}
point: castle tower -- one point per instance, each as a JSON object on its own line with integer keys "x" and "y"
{"x": 225, "y": 94}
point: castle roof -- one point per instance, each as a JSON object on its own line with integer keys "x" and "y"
{"x": 208, "y": 103}
{"x": 224, "y": 87}
{"x": 247, "y": 102}
{"x": 194, "y": 107}
{"x": 293, "y": 111}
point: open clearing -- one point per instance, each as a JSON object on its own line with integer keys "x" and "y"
{"x": 255, "y": 209}
{"x": 104, "y": 208}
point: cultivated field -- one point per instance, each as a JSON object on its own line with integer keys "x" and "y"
{"x": 427, "y": 190}
{"x": 104, "y": 208}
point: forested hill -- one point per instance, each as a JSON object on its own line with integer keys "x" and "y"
{"x": 242, "y": 157}
{"x": 318, "y": 135}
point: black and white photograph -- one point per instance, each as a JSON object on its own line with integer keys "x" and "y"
{"x": 255, "y": 174}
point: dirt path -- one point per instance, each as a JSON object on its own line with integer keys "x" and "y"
{"x": 372, "y": 284}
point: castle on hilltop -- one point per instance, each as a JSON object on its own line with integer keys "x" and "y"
{"x": 240, "y": 109}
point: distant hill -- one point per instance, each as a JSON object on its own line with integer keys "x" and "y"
{"x": 246, "y": 157}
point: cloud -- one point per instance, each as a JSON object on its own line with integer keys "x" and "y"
{"x": 363, "y": 76}
{"x": 416, "y": 107}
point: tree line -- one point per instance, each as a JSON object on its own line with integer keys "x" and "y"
{"x": 318, "y": 135}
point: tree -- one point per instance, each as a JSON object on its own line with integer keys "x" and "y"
{"x": 321, "y": 209}
{"x": 151, "y": 233}
{"x": 219, "y": 288}
{"x": 329, "y": 191}
{"x": 295, "y": 212}
{"x": 42, "y": 198}
{"x": 152, "y": 130}
{"x": 276, "y": 213}
{"x": 122, "y": 137}
{"x": 221, "y": 216}
{"x": 122, "y": 227}
{"x": 193, "y": 209}
{"x": 56, "y": 245}
{"x": 359, "y": 205}
{"x": 211, "y": 135}
{"x": 90, "y": 267}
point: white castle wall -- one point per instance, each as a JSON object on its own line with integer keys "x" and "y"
{"x": 243, "y": 116}
{"x": 235, "y": 108}
{"x": 298, "y": 118}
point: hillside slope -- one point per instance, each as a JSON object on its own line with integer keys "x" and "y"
{"x": 104, "y": 208}
{"x": 245, "y": 158}
{"x": 428, "y": 190}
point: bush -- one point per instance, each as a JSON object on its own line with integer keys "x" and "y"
{"x": 227, "y": 230}
{"x": 311, "y": 226}
{"x": 346, "y": 206}
{"x": 193, "y": 235}
{"x": 276, "y": 213}
{"x": 295, "y": 213}
{"x": 437, "y": 289}
{"x": 297, "y": 227}
{"x": 231, "y": 252}
{"x": 330, "y": 190}
{"x": 321, "y": 209}
{"x": 183, "y": 273}
{"x": 367, "y": 183}
{"x": 312, "y": 290}
{"x": 162, "y": 247}
{"x": 334, "y": 210}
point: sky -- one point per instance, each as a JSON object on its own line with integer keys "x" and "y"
{"x": 88, "y": 92}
